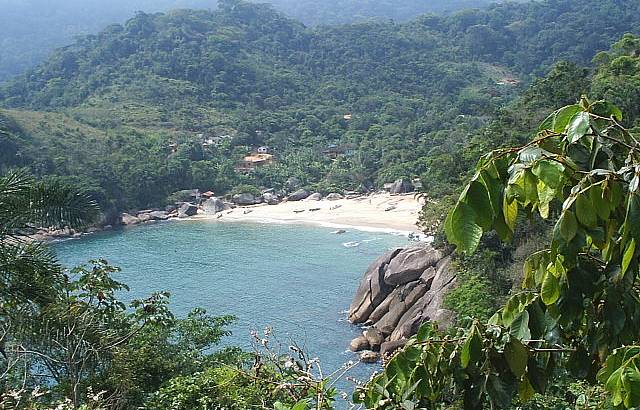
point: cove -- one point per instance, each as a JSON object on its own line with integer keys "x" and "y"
{"x": 297, "y": 279}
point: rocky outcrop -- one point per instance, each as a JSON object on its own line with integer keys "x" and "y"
{"x": 400, "y": 291}
{"x": 128, "y": 219}
{"x": 315, "y": 197}
{"x": 401, "y": 186}
{"x": 213, "y": 206}
{"x": 299, "y": 195}
{"x": 187, "y": 210}
{"x": 270, "y": 198}
{"x": 334, "y": 196}
{"x": 246, "y": 199}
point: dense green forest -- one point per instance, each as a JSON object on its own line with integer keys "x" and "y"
{"x": 415, "y": 91}
{"x": 546, "y": 225}
{"x": 33, "y": 29}
{"x": 566, "y": 340}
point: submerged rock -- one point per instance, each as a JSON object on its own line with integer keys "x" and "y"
{"x": 369, "y": 357}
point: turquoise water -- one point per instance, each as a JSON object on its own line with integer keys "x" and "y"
{"x": 297, "y": 279}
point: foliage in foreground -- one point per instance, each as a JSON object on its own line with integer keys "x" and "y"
{"x": 579, "y": 308}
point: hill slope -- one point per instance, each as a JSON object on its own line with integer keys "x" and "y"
{"x": 413, "y": 91}
{"x": 33, "y": 29}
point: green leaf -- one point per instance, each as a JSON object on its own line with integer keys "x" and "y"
{"x": 628, "y": 256}
{"x": 585, "y": 211}
{"x": 301, "y": 405}
{"x": 601, "y": 205}
{"x": 478, "y": 198}
{"x": 472, "y": 348}
{"x": 631, "y": 383}
{"x": 517, "y": 356}
{"x": 550, "y": 172}
{"x": 578, "y": 127}
{"x": 519, "y": 328}
{"x": 525, "y": 390}
{"x": 550, "y": 291}
{"x": 510, "y": 213}
{"x": 607, "y": 110}
{"x": 568, "y": 225}
{"x": 461, "y": 228}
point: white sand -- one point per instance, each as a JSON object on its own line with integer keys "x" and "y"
{"x": 377, "y": 212}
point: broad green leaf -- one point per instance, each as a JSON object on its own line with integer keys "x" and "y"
{"x": 550, "y": 172}
{"x": 631, "y": 383}
{"x": 510, "y": 213}
{"x": 568, "y": 225}
{"x": 614, "y": 386}
{"x": 478, "y": 198}
{"x": 519, "y": 328}
{"x": 585, "y": 211}
{"x": 545, "y": 196}
{"x": 525, "y": 390}
{"x": 472, "y": 348}
{"x": 517, "y": 356}
{"x": 550, "y": 291}
{"x": 607, "y": 110}
{"x": 578, "y": 127}
{"x": 601, "y": 205}
{"x": 461, "y": 228}
{"x": 628, "y": 256}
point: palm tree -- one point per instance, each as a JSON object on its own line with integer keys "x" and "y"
{"x": 28, "y": 269}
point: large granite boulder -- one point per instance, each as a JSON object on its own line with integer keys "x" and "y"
{"x": 270, "y": 198}
{"x": 410, "y": 264}
{"x": 374, "y": 337}
{"x": 299, "y": 195}
{"x": 315, "y": 197}
{"x": 399, "y": 292}
{"x": 358, "y": 344}
{"x": 159, "y": 215}
{"x": 186, "y": 210}
{"x": 372, "y": 290}
{"x": 213, "y": 206}
{"x": 128, "y": 219}
{"x": 401, "y": 186}
{"x": 334, "y": 196}
{"x": 292, "y": 184}
{"x": 246, "y": 199}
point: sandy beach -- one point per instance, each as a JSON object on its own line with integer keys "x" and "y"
{"x": 376, "y": 212}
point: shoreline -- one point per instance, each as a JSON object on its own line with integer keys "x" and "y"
{"x": 382, "y": 212}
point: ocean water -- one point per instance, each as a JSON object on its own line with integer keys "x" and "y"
{"x": 299, "y": 280}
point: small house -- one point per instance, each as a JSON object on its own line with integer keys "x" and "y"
{"x": 251, "y": 162}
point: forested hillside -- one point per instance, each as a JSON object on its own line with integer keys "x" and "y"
{"x": 31, "y": 30}
{"x": 152, "y": 92}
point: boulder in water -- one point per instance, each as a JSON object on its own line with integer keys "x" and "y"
{"x": 358, "y": 344}
{"x": 369, "y": 357}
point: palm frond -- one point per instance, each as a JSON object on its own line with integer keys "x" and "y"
{"x": 28, "y": 272}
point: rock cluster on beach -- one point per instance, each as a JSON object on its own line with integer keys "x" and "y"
{"x": 401, "y": 290}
